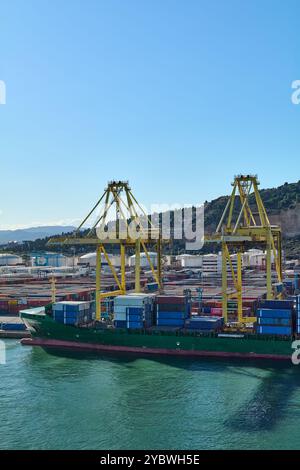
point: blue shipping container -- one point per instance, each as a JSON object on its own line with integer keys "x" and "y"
{"x": 120, "y": 324}
{"x": 134, "y": 310}
{"x": 13, "y": 326}
{"x": 70, "y": 321}
{"x": 170, "y": 322}
{"x": 206, "y": 309}
{"x": 274, "y": 330}
{"x": 135, "y": 325}
{"x": 171, "y": 315}
{"x": 276, "y": 304}
{"x": 274, "y": 321}
{"x": 58, "y": 314}
{"x": 133, "y": 318}
{"x": 269, "y": 313}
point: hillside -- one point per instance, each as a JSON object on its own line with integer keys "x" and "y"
{"x": 282, "y": 204}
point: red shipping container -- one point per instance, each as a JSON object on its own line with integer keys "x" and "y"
{"x": 168, "y": 299}
{"x": 216, "y": 312}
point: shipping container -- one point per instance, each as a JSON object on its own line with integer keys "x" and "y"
{"x": 12, "y": 326}
{"x": 270, "y": 313}
{"x": 168, "y": 299}
{"x": 135, "y": 310}
{"x": 276, "y": 304}
{"x": 205, "y": 323}
{"x": 170, "y": 322}
{"x": 120, "y": 324}
{"x": 173, "y": 307}
{"x": 275, "y": 321}
{"x": 173, "y": 315}
{"x": 274, "y": 330}
{"x": 135, "y": 325}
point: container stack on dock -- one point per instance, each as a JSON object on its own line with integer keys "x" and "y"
{"x": 12, "y": 324}
{"x": 275, "y": 317}
{"x": 172, "y": 311}
{"x": 133, "y": 311}
{"x": 72, "y": 313}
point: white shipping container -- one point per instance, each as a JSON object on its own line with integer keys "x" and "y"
{"x": 120, "y": 316}
{"x": 79, "y": 305}
{"x": 130, "y": 301}
{"x": 58, "y": 306}
{"x": 120, "y": 309}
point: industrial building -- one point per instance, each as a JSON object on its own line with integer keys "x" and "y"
{"x": 55, "y": 260}
{"x": 9, "y": 259}
{"x": 212, "y": 264}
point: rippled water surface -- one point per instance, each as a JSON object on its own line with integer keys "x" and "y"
{"x": 99, "y": 402}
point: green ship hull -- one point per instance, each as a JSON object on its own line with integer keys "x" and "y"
{"x": 49, "y": 334}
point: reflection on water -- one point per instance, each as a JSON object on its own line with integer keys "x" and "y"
{"x": 268, "y": 404}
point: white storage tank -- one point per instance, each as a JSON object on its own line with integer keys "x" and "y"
{"x": 56, "y": 260}
{"x": 144, "y": 260}
{"x": 90, "y": 259}
{"x": 9, "y": 259}
{"x": 190, "y": 261}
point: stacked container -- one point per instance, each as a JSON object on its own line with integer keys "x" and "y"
{"x": 72, "y": 313}
{"x": 298, "y": 314}
{"x": 205, "y": 323}
{"x": 106, "y": 307}
{"x": 152, "y": 286}
{"x": 133, "y": 311}
{"x": 275, "y": 317}
{"x": 172, "y": 311}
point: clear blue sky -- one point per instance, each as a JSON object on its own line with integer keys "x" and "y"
{"x": 176, "y": 96}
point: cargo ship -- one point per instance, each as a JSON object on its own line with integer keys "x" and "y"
{"x": 175, "y": 333}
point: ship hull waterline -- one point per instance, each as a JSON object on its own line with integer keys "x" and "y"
{"x": 48, "y": 334}
{"x": 101, "y": 348}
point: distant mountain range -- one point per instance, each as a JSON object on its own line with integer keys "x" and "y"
{"x": 33, "y": 233}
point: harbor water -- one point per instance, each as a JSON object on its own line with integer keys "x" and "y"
{"x": 55, "y": 401}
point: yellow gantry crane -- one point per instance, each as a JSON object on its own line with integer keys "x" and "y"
{"x": 248, "y": 225}
{"x": 129, "y": 226}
